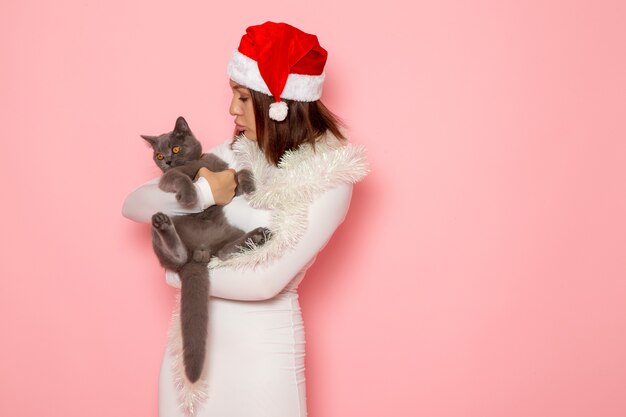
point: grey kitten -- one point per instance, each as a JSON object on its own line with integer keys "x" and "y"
{"x": 186, "y": 243}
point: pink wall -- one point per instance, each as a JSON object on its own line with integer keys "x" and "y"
{"x": 480, "y": 272}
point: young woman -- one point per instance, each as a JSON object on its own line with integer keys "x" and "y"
{"x": 304, "y": 170}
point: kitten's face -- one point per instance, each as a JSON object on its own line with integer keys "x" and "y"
{"x": 175, "y": 148}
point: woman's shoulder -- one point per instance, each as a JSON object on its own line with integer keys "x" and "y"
{"x": 327, "y": 153}
{"x": 327, "y": 141}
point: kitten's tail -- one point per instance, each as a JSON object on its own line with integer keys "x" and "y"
{"x": 194, "y": 316}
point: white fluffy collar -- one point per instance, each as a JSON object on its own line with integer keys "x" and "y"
{"x": 289, "y": 188}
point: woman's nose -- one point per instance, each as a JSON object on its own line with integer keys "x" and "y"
{"x": 234, "y": 110}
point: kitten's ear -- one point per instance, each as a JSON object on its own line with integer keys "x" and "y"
{"x": 181, "y": 128}
{"x": 150, "y": 139}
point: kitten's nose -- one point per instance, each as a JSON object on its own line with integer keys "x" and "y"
{"x": 168, "y": 162}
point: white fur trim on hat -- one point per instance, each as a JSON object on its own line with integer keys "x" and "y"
{"x": 299, "y": 87}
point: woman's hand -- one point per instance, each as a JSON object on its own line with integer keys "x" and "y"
{"x": 222, "y": 184}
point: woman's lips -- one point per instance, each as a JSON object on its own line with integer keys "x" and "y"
{"x": 239, "y": 128}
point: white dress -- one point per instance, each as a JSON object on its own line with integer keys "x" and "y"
{"x": 255, "y": 349}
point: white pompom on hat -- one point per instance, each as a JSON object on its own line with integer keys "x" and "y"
{"x": 279, "y": 60}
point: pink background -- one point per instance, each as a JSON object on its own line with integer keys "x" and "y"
{"x": 480, "y": 271}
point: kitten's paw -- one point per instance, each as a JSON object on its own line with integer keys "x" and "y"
{"x": 161, "y": 221}
{"x": 187, "y": 197}
{"x": 245, "y": 182}
{"x": 201, "y": 255}
{"x": 260, "y": 235}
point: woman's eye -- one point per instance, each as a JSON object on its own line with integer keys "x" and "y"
{"x": 159, "y": 156}
{"x": 243, "y": 98}
{"x": 176, "y": 149}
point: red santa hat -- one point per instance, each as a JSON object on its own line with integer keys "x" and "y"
{"x": 279, "y": 60}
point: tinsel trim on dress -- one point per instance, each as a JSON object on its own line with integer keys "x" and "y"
{"x": 287, "y": 189}
{"x": 190, "y": 396}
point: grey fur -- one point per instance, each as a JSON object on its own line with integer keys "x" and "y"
{"x": 186, "y": 243}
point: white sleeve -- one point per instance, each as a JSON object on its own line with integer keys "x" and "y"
{"x": 148, "y": 199}
{"x": 326, "y": 213}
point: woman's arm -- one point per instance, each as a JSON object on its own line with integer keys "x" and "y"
{"x": 148, "y": 199}
{"x": 265, "y": 281}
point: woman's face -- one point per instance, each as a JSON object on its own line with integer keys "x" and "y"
{"x": 241, "y": 107}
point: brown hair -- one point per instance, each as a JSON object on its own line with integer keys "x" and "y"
{"x": 304, "y": 123}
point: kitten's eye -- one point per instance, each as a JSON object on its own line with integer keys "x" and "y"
{"x": 159, "y": 156}
{"x": 176, "y": 149}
